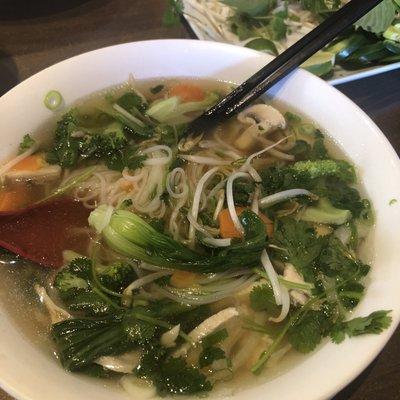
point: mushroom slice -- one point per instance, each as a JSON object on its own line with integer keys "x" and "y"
{"x": 261, "y": 119}
{"x": 206, "y": 327}
{"x": 123, "y": 363}
{"x": 291, "y": 274}
{"x": 46, "y": 174}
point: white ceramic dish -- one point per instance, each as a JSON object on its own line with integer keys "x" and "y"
{"x": 340, "y": 75}
{"x": 27, "y": 373}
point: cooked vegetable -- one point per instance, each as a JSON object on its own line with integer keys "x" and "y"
{"x": 53, "y": 100}
{"x": 26, "y": 143}
{"x": 325, "y": 213}
{"x": 130, "y": 235}
{"x": 14, "y": 199}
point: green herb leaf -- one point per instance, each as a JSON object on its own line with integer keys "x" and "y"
{"x": 262, "y": 44}
{"x": 262, "y": 299}
{"x": 209, "y": 355}
{"x": 374, "y": 323}
{"x": 26, "y": 143}
{"x": 253, "y": 8}
{"x": 379, "y": 18}
{"x": 214, "y": 338}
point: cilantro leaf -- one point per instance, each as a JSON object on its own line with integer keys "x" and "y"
{"x": 130, "y": 101}
{"x": 214, "y": 338}
{"x": 306, "y": 333}
{"x": 209, "y": 355}
{"x": 126, "y": 157}
{"x": 26, "y": 143}
{"x": 262, "y": 299}
{"x": 374, "y": 323}
{"x": 277, "y": 28}
{"x": 300, "y": 243}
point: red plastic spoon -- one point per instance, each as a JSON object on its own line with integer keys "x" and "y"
{"x": 41, "y": 232}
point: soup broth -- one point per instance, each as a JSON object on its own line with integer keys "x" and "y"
{"x": 210, "y": 260}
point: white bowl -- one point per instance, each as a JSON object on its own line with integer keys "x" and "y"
{"x": 27, "y": 373}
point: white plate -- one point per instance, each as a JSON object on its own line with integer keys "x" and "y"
{"x": 340, "y": 75}
{"x": 27, "y": 373}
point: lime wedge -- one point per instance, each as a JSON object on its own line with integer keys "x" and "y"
{"x": 320, "y": 63}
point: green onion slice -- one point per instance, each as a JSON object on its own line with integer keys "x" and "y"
{"x": 53, "y": 100}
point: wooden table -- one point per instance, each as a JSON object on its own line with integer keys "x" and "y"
{"x": 37, "y": 33}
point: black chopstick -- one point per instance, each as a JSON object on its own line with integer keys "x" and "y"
{"x": 282, "y": 65}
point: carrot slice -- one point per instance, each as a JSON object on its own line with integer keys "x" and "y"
{"x": 228, "y": 230}
{"x": 269, "y": 225}
{"x": 30, "y": 163}
{"x": 187, "y": 92}
{"x": 14, "y": 199}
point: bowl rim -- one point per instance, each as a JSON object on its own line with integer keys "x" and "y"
{"x": 388, "y": 148}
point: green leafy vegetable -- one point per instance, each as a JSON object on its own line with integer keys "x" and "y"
{"x": 130, "y": 235}
{"x": 83, "y": 291}
{"x": 26, "y": 143}
{"x": 374, "y": 323}
{"x": 307, "y": 332}
{"x": 379, "y": 18}
{"x": 209, "y": 355}
{"x": 262, "y": 44}
{"x": 301, "y": 245}
{"x": 320, "y": 6}
{"x": 253, "y": 8}
{"x": 262, "y": 299}
{"x": 214, "y": 338}
{"x": 175, "y": 377}
{"x": 81, "y": 341}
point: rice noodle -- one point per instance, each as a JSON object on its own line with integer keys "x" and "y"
{"x": 196, "y": 200}
{"x": 220, "y": 204}
{"x": 177, "y": 179}
{"x": 139, "y": 174}
{"x": 127, "y": 293}
{"x": 285, "y": 305}
{"x": 204, "y": 160}
{"x": 217, "y": 242}
{"x": 272, "y": 276}
{"x": 274, "y": 152}
{"x": 197, "y": 226}
{"x": 254, "y": 202}
{"x": 276, "y": 198}
{"x": 258, "y": 153}
{"x": 230, "y": 200}
{"x": 157, "y": 160}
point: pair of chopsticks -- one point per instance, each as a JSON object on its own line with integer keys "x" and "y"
{"x": 282, "y": 65}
